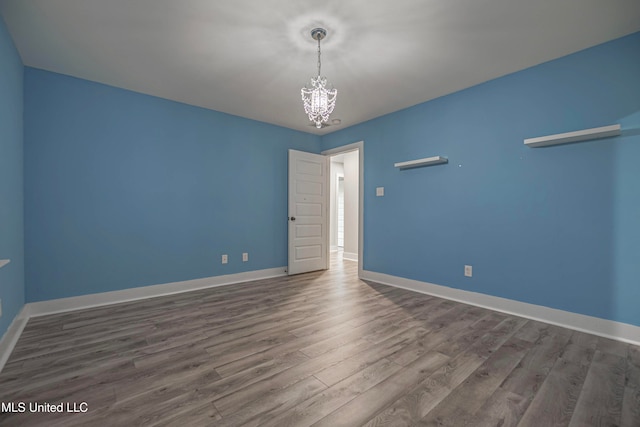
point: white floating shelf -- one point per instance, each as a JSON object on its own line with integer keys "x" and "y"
{"x": 436, "y": 160}
{"x": 577, "y": 136}
{"x": 4, "y": 262}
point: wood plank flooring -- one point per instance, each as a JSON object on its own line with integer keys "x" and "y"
{"x": 321, "y": 349}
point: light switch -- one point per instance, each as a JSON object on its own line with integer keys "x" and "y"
{"x": 379, "y": 191}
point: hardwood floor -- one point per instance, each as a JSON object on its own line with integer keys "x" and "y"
{"x": 322, "y": 349}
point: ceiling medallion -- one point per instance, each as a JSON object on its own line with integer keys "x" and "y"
{"x": 319, "y": 97}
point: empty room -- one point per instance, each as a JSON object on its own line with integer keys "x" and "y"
{"x": 339, "y": 213}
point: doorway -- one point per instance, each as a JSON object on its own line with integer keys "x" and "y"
{"x": 343, "y": 205}
{"x": 346, "y": 166}
{"x": 309, "y": 217}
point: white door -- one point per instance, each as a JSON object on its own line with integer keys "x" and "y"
{"x": 308, "y": 198}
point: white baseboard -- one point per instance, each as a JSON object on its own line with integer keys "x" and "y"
{"x": 42, "y": 308}
{"x": 81, "y": 302}
{"x": 351, "y": 256}
{"x": 592, "y": 325}
{"x": 10, "y": 338}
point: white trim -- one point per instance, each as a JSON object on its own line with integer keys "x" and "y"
{"x": 345, "y": 149}
{"x": 592, "y": 325}
{"x": 61, "y": 305}
{"x": 10, "y": 338}
{"x": 606, "y": 328}
{"x": 4, "y": 262}
{"x": 81, "y": 302}
{"x": 351, "y": 256}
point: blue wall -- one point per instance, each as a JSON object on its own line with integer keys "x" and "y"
{"x": 11, "y": 180}
{"x": 556, "y": 226}
{"x": 125, "y": 190}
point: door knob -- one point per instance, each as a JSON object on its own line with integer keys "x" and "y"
{"x": 293, "y": 218}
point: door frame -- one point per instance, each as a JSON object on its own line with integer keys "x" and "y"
{"x": 345, "y": 149}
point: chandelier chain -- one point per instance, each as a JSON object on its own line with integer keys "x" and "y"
{"x": 318, "y": 56}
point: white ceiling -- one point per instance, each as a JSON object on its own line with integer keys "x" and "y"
{"x": 250, "y": 58}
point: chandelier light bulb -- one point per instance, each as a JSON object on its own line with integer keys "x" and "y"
{"x": 319, "y": 97}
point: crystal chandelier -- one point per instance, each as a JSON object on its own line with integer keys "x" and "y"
{"x": 318, "y": 99}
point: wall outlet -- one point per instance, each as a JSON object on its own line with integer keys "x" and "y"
{"x": 468, "y": 270}
{"x": 245, "y": 257}
{"x": 379, "y": 191}
{"x": 225, "y": 258}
